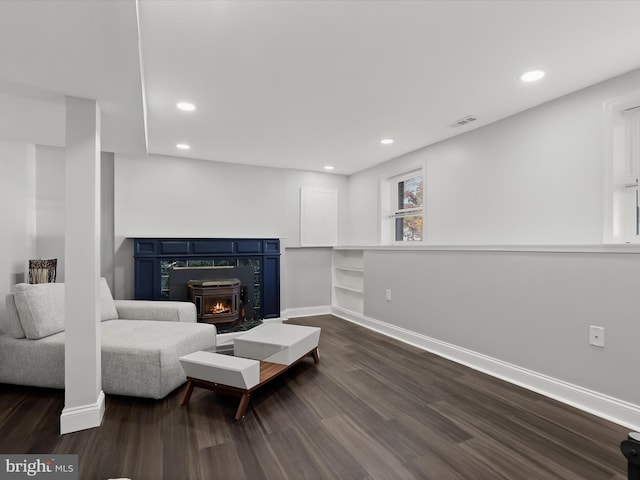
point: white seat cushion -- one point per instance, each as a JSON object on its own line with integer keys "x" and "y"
{"x": 140, "y": 357}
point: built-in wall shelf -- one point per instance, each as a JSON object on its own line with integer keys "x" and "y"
{"x": 348, "y": 280}
{"x": 350, "y": 269}
{"x": 349, "y": 289}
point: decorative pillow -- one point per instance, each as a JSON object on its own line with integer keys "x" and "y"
{"x": 11, "y": 323}
{"x": 41, "y": 308}
{"x": 108, "y": 309}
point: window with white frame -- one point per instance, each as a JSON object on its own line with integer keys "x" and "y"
{"x": 622, "y": 195}
{"x": 402, "y": 207}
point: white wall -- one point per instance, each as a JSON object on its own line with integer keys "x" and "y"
{"x": 307, "y": 277}
{"x": 18, "y": 214}
{"x": 107, "y": 246}
{"x": 178, "y": 197}
{"x": 533, "y": 178}
{"x": 530, "y": 309}
{"x": 50, "y": 209}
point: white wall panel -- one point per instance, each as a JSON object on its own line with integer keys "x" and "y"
{"x": 18, "y": 214}
{"x": 50, "y": 180}
{"x": 306, "y": 274}
{"x": 318, "y": 217}
{"x": 530, "y": 309}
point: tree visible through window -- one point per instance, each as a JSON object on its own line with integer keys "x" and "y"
{"x": 408, "y": 213}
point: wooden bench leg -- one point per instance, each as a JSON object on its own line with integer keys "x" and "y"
{"x": 242, "y": 407}
{"x": 187, "y": 393}
{"x": 315, "y": 353}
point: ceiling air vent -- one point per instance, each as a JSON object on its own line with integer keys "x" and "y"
{"x": 463, "y": 121}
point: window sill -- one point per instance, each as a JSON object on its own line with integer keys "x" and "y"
{"x": 602, "y": 248}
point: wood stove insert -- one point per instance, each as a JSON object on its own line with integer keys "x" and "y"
{"x": 216, "y": 301}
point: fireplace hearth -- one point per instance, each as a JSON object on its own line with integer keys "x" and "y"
{"x": 217, "y": 301}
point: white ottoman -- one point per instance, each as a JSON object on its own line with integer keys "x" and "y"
{"x": 225, "y": 369}
{"x": 277, "y": 343}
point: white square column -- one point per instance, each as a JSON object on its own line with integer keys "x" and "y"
{"x": 84, "y": 399}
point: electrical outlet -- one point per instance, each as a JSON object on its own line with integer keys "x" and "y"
{"x": 596, "y": 336}
{"x": 387, "y": 294}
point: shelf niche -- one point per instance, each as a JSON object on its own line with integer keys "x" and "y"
{"x": 348, "y": 280}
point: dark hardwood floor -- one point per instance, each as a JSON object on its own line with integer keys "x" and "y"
{"x": 373, "y": 408}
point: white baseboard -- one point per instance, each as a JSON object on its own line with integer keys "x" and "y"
{"x": 305, "y": 311}
{"x": 604, "y": 406}
{"x": 82, "y": 418}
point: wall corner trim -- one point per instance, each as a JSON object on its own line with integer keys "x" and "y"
{"x": 598, "y": 404}
{"x": 83, "y": 417}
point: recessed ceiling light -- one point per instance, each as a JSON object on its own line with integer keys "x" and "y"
{"x": 183, "y": 146}
{"x": 329, "y": 167}
{"x": 186, "y": 106}
{"x": 386, "y": 141}
{"x": 532, "y": 76}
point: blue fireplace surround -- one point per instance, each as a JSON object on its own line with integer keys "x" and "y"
{"x": 152, "y": 255}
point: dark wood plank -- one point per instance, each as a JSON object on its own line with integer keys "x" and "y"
{"x": 373, "y": 408}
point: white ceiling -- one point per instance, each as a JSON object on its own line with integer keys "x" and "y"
{"x": 298, "y": 84}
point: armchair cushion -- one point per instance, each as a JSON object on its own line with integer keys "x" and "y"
{"x": 41, "y": 308}
{"x": 41, "y": 311}
{"x": 156, "y": 310}
{"x": 11, "y": 324}
{"x": 108, "y": 310}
